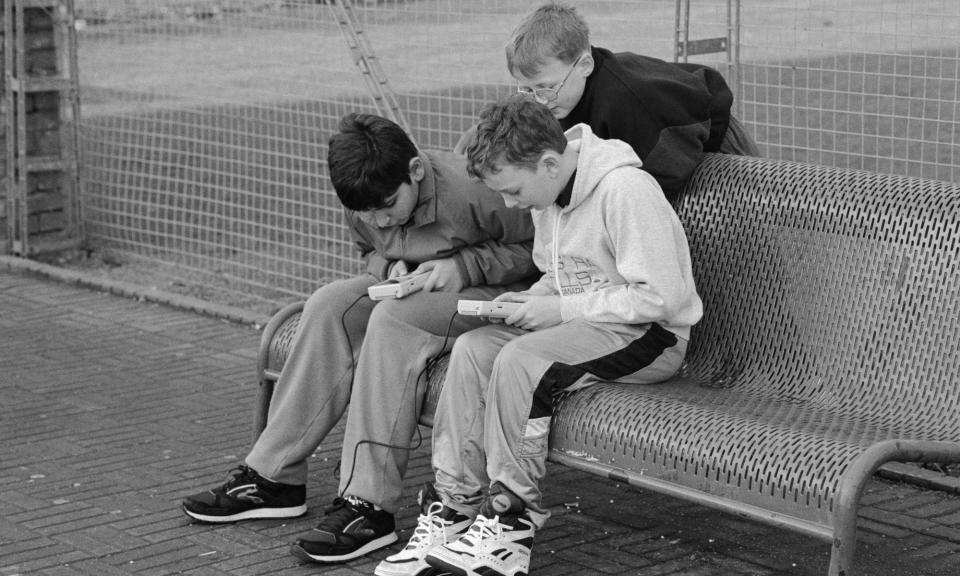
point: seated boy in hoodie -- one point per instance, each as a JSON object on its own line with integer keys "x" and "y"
{"x": 616, "y": 302}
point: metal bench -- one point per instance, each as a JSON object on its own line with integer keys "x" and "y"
{"x": 830, "y": 346}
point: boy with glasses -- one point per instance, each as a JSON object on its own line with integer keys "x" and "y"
{"x": 671, "y": 114}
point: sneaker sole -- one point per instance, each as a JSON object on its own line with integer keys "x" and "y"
{"x": 255, "y": 514}
{"x": 392, "y": 569}
{"x": 444, "y": 567}
{"x": 367, "y": 548}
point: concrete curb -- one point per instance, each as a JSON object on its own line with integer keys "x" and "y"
{"x": 135, "y": 291}
{"x": 914, "y": 474}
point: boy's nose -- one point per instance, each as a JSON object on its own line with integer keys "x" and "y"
{"x": 383, "y": 220}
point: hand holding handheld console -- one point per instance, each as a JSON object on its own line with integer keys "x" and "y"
{"x": 487, "y": 308}
{"x": 398, "y": 287}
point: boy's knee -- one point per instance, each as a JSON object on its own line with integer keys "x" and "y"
{"x": 332, "y": 298}
{"x": 468, "y": 343}
{"x": 516, "y": 351}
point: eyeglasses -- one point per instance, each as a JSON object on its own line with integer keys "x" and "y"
{"x": 548, "y": 95}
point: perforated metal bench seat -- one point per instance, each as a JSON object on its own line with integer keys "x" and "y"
{"x": 830, "y": 345}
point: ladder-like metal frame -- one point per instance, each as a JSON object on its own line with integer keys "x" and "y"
{"x": 384, "y": 98}
{"x": 16, "y": 86}
{"x": 9, "y": 122}
{"x": 18, "y": 216}
{"x": 684, "y": 47}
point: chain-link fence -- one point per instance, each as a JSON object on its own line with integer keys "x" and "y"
{"x": 204, "y": 123}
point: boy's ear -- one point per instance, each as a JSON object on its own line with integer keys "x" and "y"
{"x": 550, "y": 161}
{"x": 416, "y": 169}
{"x": 586, "y": 65}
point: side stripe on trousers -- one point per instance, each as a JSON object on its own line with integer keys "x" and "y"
{"x": 632, "y": 358}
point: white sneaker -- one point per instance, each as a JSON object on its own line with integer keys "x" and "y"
{"x": 437, "y": 527}
{"x": 490, "y": 547}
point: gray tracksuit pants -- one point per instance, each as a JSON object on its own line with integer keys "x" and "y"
{"x": 352, "y": 350}
{"x": 493, "y": 415}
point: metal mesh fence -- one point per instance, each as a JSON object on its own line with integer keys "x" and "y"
{"x": 204, "y": 122}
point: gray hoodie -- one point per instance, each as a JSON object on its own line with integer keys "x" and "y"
{"x": 617, "y": 252}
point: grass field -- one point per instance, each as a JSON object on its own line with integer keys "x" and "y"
{"x": 204, "y": 130}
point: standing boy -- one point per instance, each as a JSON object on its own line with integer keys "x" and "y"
{"x": 671, "y": 114}
{"x": 407, "y": 209}
{"x": 615, "y": 303}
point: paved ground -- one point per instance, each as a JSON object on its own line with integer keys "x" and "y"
{"x": 113, "y": 409}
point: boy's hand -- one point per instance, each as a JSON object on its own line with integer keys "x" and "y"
{"x": 399, "y": 268}
{"x": 444, "y": 275}
{"x": 537, "y": 312}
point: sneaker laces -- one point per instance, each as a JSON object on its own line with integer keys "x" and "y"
{"x": 240, "y": 475}
{"x": 484, "y": 528}
{"x": 428, "y": 526}
{"x": 340, "y": 513}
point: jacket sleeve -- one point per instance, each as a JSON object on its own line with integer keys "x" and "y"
{"x": 506, "y": 256}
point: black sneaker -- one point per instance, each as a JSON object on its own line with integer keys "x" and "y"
{"x": 247, "y": 495}
{"x": 350, "y": 528}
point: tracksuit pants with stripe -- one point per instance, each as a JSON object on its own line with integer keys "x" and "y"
{"x": 349, "y": 349}
{"x": 493, "y": 417}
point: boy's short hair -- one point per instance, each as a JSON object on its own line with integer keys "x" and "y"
{"x": 369, "y": 158}
{"x": 516, "y": 131}
{"x": 553, "y": 30}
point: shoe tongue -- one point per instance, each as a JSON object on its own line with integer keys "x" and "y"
{"x": 426, "y": 496}
{"x": 501, "y": 503}
{"x": 358, "y": 503}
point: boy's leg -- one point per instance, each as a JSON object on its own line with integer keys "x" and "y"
{"x": 309, "y": 398}
{"x": 457, "y": 451}
{"x": 530, "y": 370}
{"x": 519, "y": 400}
{"x": 314, "y": 387}
{"x": 459, "y": 458}
{"x": 402, "y": 336}
{"x": 390, "y": 384}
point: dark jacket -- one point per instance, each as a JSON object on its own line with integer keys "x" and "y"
{"x": 669, "y": 113}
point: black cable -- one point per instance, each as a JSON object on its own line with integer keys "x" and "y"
{"x": 427, "y": 368}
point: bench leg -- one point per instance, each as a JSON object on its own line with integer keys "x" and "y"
{"x": 855, "y": 480}
{"x": 844, "y": 541}
{"x": 261, "y": 407}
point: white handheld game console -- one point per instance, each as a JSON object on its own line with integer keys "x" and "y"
{"x": 398, "y": 287}
{"x": 487, "y": 308}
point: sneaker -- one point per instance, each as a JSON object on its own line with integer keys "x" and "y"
{"x": 247, "y": 495}
{"x": 350, "y": 528}
{"x": 496, "y": 544}
{"x": 437, "y": 525}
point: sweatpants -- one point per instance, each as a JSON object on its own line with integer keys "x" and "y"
{"x": 351, "y": 350}
{"x": 493, "y": 415}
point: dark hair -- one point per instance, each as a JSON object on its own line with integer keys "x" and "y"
{"x": 368, "y": 160}
{"x": 517, "y": 130}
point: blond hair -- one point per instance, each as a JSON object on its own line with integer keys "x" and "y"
{"x": 553, "y": 30}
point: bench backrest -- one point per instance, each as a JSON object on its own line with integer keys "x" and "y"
{"x": 836, "y": 288}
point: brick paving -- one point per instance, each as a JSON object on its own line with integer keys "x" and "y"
{"x": 113, "y": 409}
